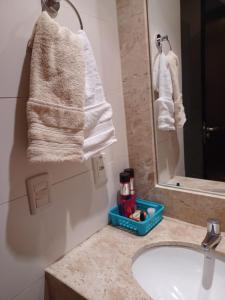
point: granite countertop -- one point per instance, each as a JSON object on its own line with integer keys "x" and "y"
{"x": 100, "y": 268}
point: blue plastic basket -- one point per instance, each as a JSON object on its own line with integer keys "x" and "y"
{"x": 139, "y": 228}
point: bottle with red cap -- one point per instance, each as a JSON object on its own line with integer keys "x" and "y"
{"x": 130, "y": 171}
{"x": 126, "y": 204}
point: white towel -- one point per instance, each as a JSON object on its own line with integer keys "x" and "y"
{"x": 99, "y": 131}
{"x": 164, "y": 106}
{"x": 180, "y": 117}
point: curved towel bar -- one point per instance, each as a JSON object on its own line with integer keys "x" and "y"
{"x": 53, "y": 6}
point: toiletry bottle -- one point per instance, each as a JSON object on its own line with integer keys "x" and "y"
{"x": 126, "y": 206}
{"x": 130, "y": 171}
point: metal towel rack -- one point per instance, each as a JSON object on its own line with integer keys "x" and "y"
{"x": 160, "y": 39}
{"x": 53, "y": 6}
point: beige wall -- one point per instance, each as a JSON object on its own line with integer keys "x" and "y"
{"x": 164, "y": 18}
{"x": 30, "y": 243}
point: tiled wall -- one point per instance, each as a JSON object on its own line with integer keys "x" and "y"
{"x": 30, "y": 243}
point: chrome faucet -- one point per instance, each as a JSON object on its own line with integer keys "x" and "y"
{"x": 213, "y": 235}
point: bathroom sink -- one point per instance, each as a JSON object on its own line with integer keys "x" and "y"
{"x": 180, "y": 273}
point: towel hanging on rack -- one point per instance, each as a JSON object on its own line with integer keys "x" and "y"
{"x": 173, "y": 65}
{"x": 99, "y": 131}
{"x": 179, "y": 113}
{"x": 55, "y": 108}
{"x": 163, "y": 105}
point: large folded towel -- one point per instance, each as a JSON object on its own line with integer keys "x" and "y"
{"x": 99, "y": 131}
{"x": 179, "y": 114}
{"x": 55, "y": 109}
{"x": 163, "y": 106}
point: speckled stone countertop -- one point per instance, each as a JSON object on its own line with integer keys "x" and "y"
{"x": 100, "y": 268}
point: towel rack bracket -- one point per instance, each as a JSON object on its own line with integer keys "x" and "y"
{"x": 160, "y": 39}
{"x": 53, "y": 6}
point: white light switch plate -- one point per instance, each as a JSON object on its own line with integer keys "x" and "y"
{"x": 99, "y": 172}
{"x": 38, "y": 189}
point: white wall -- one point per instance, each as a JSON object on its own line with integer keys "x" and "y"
{"x": 164, "y": 18}
{"x": 30, "y": 243}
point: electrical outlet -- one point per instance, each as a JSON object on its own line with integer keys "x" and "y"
{"x": 99, "y": 172}
{"x": 38, "y": 189}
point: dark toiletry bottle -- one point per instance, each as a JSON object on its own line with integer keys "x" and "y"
{"x": 130, "y": 171}
{"x": 126, "y": 206}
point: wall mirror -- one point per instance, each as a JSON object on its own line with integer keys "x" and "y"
{"x": 187, "y": 47}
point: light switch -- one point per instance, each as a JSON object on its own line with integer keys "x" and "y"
{"x": 99, "y": 170}
{"x": 38, "y": 189}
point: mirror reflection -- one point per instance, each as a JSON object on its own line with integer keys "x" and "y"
{"x": 188, "y": 75}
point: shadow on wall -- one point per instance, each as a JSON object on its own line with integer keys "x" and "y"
{"x": 45, "y": 234}
{"x": 167, "y": 150}
{"x": 168, "y": 155}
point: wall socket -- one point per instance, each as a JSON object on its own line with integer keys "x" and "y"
{"x": 38, "y": 190}
{"x": 99, "y": 172}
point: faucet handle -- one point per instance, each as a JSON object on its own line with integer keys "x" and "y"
{"x": 213, "y": 226}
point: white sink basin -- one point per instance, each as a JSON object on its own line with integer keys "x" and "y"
{"x": 180, "y": 273}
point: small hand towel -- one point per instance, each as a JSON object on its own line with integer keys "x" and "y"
{"x": 180, "y": 117}
{"x": 55, "y": 109}
{"x": 99, "y": 131}
{"x": 163, "y": 106}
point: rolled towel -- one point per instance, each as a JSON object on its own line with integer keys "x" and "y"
{"x": 99, "y": 131}
{"x": 55, "y": 109}
{"x": 179, "y": 113}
